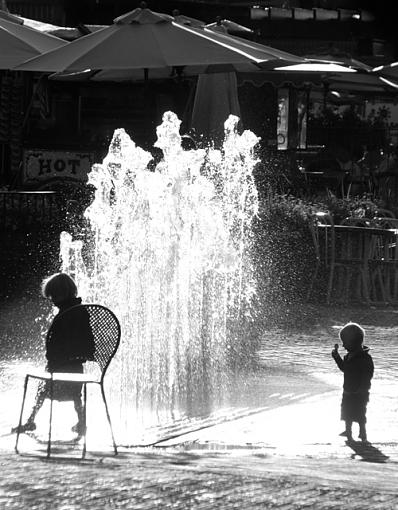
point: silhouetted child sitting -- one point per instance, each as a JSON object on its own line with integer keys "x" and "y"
{"x": 357, "y": 366}
{"x": 69, "y": 344}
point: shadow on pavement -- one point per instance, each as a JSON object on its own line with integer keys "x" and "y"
{"x": 367, "y": 452}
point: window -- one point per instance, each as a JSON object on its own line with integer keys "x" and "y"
{"x": 292, "y": 118}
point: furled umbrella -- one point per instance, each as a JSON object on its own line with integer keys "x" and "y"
{"x": 19, "y": 43}
{"x": 215, "y": 99}
{"x": 149, "y": 42}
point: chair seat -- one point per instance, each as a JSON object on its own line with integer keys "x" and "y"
{"x": 63, "y": 376}
{"x": 381, "y": 262}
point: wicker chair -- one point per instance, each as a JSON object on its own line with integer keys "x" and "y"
{"x": 106, "y": 331}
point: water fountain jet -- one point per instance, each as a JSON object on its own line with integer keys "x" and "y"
{"x": 169, "y": 253}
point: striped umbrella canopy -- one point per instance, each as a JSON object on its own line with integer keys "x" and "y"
{"x": 152, "y": 43}
{"x": 19, "y": 43}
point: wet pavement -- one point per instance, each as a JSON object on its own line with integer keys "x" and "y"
{"x": 281, "y": 451}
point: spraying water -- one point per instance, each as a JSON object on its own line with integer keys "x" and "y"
{"x": 169, "y": 254}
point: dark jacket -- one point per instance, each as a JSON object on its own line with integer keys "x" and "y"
{"x": 358, "y": 370}
{"x": 70, "y": 340}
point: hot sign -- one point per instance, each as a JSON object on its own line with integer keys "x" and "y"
{"x": 43, "y": 165}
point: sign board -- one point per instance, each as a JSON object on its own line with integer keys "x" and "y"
{"x": 43, "y": 165}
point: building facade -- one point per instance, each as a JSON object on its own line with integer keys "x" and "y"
{"x": 51, "y": 132}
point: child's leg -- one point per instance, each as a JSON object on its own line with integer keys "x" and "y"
{"x": 348, "y": 429}
{"x": 30, "y": 423}
{"x": 80, "y": 425}
{"x": 362, "y": 431}
{"x": 39, "y": 400}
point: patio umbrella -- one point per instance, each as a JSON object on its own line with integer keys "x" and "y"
{"x": 148, "y": 41}
{"x": 18, "y": 43}
{"x": 360, "y": 82}
{"x": 388, "y": 74}
{"x": 388, "y": 70}
{"x": 339, "y": 59}
{"x": 311, "y": 66}
{"x": 187, "y": 20}
{"x": 228, "y": 26}
{"x": 4, "y": 14}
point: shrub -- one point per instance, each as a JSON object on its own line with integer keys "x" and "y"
{"x": 285, "y": 254}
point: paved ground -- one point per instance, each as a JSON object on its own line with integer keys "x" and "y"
{"x": 282, "y": 451}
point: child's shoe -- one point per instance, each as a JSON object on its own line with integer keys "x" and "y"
{"x": 80, "y": 429}
{"x": 27, "y": 427}
{"x": 346, "y": 434}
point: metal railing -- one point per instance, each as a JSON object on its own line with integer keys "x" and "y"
{"x": 21, "y": 209}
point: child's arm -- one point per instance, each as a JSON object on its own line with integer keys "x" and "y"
{"x": 366, "y": 373}
{"x": 336, "y": 356}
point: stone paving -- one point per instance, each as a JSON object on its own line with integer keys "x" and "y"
{"x": 282, "y": 452}
{"x": 148, "y": 479}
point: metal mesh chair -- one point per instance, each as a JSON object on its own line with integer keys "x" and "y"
{"x": 106, "y": 331}
{"x": 324, "y": 251}
{"x": 344, "y": 254}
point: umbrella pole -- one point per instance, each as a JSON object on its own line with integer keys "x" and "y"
{"x": 187, "y": 115}
{"x": 79, "y": 114}
{"x": 32, "y": 98}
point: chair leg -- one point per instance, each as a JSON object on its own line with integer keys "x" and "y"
{"x": 312, "y": 283}
{"x": 109, "y": 418}
{"x": 365, "y": 283}
{"x": 330, "y": 284}
{"x": 84, "y": 420}
{"x": 51, "y": 416}
{"x": 21, "y": 413}
{"x": 395, "y": 285}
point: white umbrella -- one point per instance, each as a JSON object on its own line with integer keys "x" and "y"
{"x": 150, "y": 43}
{"x": 361, "y": 82}
{"x": 4, "y": 14}
{"x": 388, "y": 74}
{"x": 18, "y": 43}
{"x": 228, "y": 26}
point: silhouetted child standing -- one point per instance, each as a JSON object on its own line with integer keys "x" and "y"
{"x": 357, "y": 366}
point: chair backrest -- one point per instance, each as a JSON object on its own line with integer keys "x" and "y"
{"x": 356, "y": 222}
{"x": 106, "y": 331}
{"x": 325, "y": 250}
{"x": 384, "y": 213}
{"x": 385, "y": 222}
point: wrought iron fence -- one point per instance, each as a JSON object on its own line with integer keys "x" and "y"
{"x": 30, "y": 209}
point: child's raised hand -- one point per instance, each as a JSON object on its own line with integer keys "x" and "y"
{"x": 335, "y": 351}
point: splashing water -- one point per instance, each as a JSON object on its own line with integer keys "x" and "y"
{"x": 169, "y": 254}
